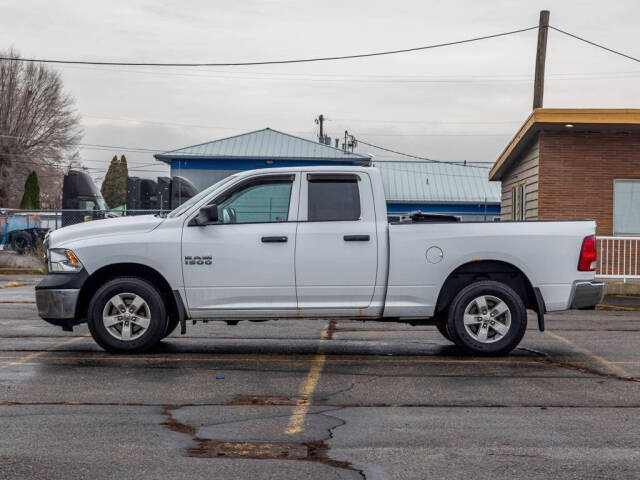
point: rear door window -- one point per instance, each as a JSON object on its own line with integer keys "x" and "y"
{"x": 335, "y": 199}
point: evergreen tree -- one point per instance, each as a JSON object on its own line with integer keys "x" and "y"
{"x": 114, "y": 186}
{"x": 107, "y": 188}
{"x": 122, "y": 184}
{"x": 31, "y": 196}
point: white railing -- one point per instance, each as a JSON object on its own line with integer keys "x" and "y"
{"x": 618, "y": 257}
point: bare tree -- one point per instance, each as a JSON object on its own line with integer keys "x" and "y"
{"x": 39, "y": 126}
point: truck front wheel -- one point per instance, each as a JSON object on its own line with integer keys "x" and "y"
{"x": 127, "y": 314}
{"x": 487, "y": 318}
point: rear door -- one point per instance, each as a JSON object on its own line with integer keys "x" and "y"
{"x": 336, "y": 243}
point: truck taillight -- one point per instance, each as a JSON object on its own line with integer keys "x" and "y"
{"x": 588, "y": 255}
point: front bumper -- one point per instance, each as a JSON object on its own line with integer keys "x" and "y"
{"x": 57, "y": 296}
{"x": 57, "y": 304}
{"x": 586, "y": 294}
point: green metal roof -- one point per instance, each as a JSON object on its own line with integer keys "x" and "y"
{"x": 418, "y": 182}
{"x": 264, "y": 144}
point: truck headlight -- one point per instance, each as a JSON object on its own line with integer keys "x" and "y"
{"x": 62, "y": 260}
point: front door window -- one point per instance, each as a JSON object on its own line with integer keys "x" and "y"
{"x": 262, "y": 201}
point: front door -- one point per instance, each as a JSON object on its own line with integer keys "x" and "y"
{"x": 336, "y": 245}
{"x": 244, "y": 264}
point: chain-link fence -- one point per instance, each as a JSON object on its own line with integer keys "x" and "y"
{"x": 22, "y": 230}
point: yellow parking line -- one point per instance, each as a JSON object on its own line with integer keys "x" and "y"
{"x": 15, "y": 284}
{"x": 31, "y": 356}
{"x": 610, "y": 365}
{"x": 296, "y": 421}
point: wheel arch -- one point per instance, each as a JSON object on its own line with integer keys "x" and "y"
{"x": 496, "y": 270}
{"x": 106, "y": 273}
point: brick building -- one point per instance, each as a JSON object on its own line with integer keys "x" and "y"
{"x": 571, "y": 164}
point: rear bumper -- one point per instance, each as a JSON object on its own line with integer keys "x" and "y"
{"x": 586, "y": 294}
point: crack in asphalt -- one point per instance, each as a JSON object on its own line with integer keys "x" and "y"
{"x": 316, "y": 451}
{"x": 544, "y": 357}
{"x": 353, "y": 384}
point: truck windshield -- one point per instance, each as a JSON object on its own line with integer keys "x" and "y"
{"x": 195, "y": 199}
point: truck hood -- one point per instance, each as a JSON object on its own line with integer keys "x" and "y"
{"x": 99, "y": 228}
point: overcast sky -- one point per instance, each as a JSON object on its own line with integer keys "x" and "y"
{"x": 455, "y": 103}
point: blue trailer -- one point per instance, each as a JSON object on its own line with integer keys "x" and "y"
{"x": 21, "y": 232}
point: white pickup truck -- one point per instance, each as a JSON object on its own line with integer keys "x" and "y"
{"x": 312, "y": 243}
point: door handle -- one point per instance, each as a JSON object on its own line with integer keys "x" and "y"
{"x": 274, "y": 239}
{"x": 356, "y": 238}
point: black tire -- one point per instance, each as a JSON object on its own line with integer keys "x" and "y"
{"x": 157, "y": 312}
{"x": 21, "y": 242}
{"x": 518, "y": 318}
{"x": 172, "y": 324}
{"x": 442, "y": 328}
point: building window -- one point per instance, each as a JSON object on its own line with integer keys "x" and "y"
{"x": 333, "y": 200}
{"x": 519, "y": 202}
{"x": 626, "y": 207}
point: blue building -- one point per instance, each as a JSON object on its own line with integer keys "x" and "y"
{"x": 463, "y": 190}
{"x": 409, "y": 185}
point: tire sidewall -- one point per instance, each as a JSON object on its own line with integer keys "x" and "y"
{"x": 458, "y": 332}
{"x": 172, "y": 324}
{"x": 148, "y": 293}
{"x": 21, "y": 242}
{"x": 444, "y": 330}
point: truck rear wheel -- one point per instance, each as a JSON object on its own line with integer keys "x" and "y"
{"x": 127, "y": 314}
{"x": 487, "y": 318}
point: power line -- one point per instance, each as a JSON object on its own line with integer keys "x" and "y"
{"x": 317, "y": 59}
{"x": 429, "y": 160}
{"x": 104, "y": 160}
{"x": 154, "y": 122}
{"x": 437, "y": 134}
{"x": 28, "y": 159}
{"x": 434, "y": 122}
{"x": 271, "y": 62}
{"x": 126, "y": 149}
{"x": 369, "y": 78}
{"x": 93, "y": 146}
{"x": 611, "y": 50}
{"x": 312, "y": 133}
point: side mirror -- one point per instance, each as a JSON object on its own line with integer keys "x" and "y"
{"x": 206, "y": 216}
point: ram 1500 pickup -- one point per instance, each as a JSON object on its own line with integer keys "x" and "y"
{"x": 312, "y": 243}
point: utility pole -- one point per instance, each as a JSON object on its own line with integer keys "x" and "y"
{"x": 350, "y": 142}
{"x": 320, "y": 121}
{"x": 541, "y": 53}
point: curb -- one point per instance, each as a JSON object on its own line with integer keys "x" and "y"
{"x": 616, "y": 308}
{"x": 21, "y": 271}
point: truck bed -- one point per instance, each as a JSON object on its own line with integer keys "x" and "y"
{"x": 423, "y": 255}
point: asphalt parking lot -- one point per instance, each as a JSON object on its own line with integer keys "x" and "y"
{"x": 319, "y": 399}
